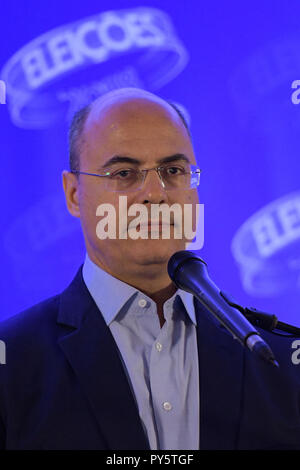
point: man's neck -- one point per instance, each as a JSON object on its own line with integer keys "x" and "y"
{"x": 155, "y": 284}
{"x": 159, "y": 288}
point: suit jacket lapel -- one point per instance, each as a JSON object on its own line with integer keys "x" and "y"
{"x": 93, "y": 355}
{"x": 221, "y": 365}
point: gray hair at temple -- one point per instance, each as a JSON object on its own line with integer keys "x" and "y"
{"x": 76, "y": 132}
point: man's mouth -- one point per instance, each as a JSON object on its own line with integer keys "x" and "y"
{"x": 153, "y": 224}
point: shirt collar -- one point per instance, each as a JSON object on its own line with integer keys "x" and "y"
{"x": 110, "y": 294}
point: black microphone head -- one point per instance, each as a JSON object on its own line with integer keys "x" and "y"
{"x": 178, "y": 260}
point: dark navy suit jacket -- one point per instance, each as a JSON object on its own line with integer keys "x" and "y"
{"x": 64, "y": 387}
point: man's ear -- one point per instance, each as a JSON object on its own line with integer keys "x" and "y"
{"x": 70, "y": 184}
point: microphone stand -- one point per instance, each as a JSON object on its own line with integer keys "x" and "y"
{"x": 266, "y": 321}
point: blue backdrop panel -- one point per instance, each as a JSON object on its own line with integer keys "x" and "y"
{"x": 233, "y": 69}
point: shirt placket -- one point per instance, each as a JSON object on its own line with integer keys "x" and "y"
{"x": 164, "y": 397}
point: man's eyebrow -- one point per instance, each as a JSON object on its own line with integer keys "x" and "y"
{"x": 174, "y": 158}
{"x": 120, "y": 159}
{"x": 133, "y": 161}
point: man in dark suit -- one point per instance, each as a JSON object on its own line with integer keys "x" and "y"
{"x": 122, "y": 359}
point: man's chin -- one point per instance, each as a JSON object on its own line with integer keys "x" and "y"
{"x": 146, "y": 252}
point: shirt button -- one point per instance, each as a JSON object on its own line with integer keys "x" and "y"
{"x": 158, "y": 346}
{"x": 142, "y": 303}
{"x": 167, "y": 406}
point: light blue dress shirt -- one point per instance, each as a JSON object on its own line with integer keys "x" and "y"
{"x": 161, "y": 363}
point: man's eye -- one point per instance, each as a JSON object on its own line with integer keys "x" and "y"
{"x": 122, "y": 174}
{"x": 175, "y": 170}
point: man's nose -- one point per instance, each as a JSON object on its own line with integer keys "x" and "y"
{"x": 153, "y": 190}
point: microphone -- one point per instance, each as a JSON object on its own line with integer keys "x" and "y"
{"x": 189, "y": 272}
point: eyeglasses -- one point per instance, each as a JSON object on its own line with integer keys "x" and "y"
{"x": 172, "y": 176}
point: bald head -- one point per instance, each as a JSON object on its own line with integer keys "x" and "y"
{"x": 129, "y": 132}
{"x": 107, "y": 111}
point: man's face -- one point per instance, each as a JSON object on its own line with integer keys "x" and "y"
{"x": 146, "y": 131}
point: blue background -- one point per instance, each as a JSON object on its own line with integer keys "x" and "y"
{"x": 236, "y": 87}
